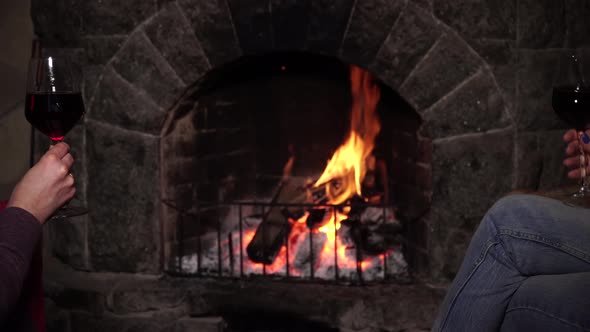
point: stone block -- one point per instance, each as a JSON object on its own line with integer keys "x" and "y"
{"x": 201, "y": 324}
{"x": 476, "y": 106}
{"x": 212, "y": 23}
{"x": 327, "y": 24}
{"x": 69, "y": 241}
{"x": 85, "y": 18}
{"x": 469, "y": 174}
{"x": 536, "y": 74}
{"x": 479, "y": 19}
{"x": 171, "y": 34}
{"x": 253, "y": 24}
{"x": 100, "y": 49}
{"x": 541, "y": 23}
{"x": 123, "y": 198}
{"x": 577, "y": 13}
{"x": 140, "y": 64}
{"x": 529, "y": 161}
{"x": 116, "y": 102}
{"x": 91, "y": 76}
{"x": 409, "y": 40}
{"x": 370, "y": 23}
{"x": 446, "y": 65}
{"x": 141, "y": 296}
{"x": 290, "y": 20}
{"x": 58, "y": 320}
{"x": 552, "y": 147}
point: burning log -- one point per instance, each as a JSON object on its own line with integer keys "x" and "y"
{"x": 375, "y": 231}
{"x": 275, "y": 227}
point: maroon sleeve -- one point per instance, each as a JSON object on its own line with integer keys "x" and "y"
{"x": 19, "y": 234}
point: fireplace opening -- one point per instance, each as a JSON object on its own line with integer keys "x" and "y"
{"x": 294, "y": 165}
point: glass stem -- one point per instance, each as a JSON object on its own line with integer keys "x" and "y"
{"x": 585, "y": 189}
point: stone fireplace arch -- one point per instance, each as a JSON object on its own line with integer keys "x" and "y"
{"x": 401, "y": 42}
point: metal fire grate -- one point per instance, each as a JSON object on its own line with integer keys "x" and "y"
{"x": 228, "y": 257}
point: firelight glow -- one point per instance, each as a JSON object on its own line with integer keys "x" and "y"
{"x": 348, "y": 163}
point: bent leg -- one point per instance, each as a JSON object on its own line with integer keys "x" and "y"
{"x": 550, "y": 303}
{"x": 520, "y": 236}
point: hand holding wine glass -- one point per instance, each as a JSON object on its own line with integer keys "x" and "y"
{"x": 54, "y": 104}
{"x": 47, "y": 185}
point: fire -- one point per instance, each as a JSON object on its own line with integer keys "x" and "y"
{"x": 342, "y": 177}
{"x": 348, "y": 164}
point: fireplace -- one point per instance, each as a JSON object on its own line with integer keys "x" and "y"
{"x": 175, "y": 143}
{"x": 241, "y": 152}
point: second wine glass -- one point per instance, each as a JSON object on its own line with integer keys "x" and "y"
{"x": 571, "y": 102}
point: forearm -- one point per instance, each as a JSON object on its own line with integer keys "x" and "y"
{"x": 19, "y": 234}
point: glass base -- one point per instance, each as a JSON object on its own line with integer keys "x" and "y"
{"x": 68, "y": 212}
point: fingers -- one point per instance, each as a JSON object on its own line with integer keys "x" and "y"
{"x": 570, "y": 135}
{"x": 576, "y": 174}
{"x": 59, "y": 150}
{"x": 68, "y": 160}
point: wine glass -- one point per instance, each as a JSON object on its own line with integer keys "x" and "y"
{"x": 53, "y": 105}
{"x": 571, "y": 102}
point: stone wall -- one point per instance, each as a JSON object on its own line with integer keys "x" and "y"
{"x": 478, "y": 72}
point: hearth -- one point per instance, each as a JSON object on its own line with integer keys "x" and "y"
{"x": 248, "y": 191}
{"x": 174, "y": 143}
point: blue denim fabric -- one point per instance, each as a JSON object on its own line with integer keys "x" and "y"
{"x": 558, "y": 302}
{"x": 521, "y": 237}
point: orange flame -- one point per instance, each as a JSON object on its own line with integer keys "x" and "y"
{"x": 347, "y": 165}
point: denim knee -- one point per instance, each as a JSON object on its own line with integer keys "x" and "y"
{"x": 510, "y": 211}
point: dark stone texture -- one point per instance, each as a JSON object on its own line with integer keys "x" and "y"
{"x": 554, "y": 173}
{"x": 584, "y": 56}
{"x": 100, "y": 49}
{"x": 90, "y": 78}
{"x": 426, "y": 4}
{"x": 69, "y": 241}
{"x": 536, "y": 74}
{"x": 539, "y": 158}
{"x": 479, "y": 19}
{"x": 541, "y": 23}
{"x": 123, "y": 199}
{"x": 212, "y": 23}
{"x": 173, "y": 37}
{"x": 469, "y": 174}
{"x": 118, "y": 103}
{"x": 140, "y": 64}
{"x": 529, "y": 161}
{"x": 81, "y": 321}
{"x": 87, "y": 18}
{"x": 290, "y": 20}
{"x": 501, "y": 55}
{"x": 327, "y": 24}
{"x": 495, "y": 51}
{"x": 448, "y": 63}
{"x": 253, "y": 24}
{"x": 51, "y": 26}
{"x": 475, "y": 107}
{"x": 410, "y": 39}
{"x": 578, "y": 25}
{"x": 58, "y": 320}
{"x": 134, "y": 297}
{"x": 369, "y": 25}
{"x": 204, "y": 324}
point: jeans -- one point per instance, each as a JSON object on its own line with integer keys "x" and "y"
{"x": 526, "y": 268}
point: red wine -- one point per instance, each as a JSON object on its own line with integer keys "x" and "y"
{"x": 54, "y": 114}
{"x": 572, "y": 105}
